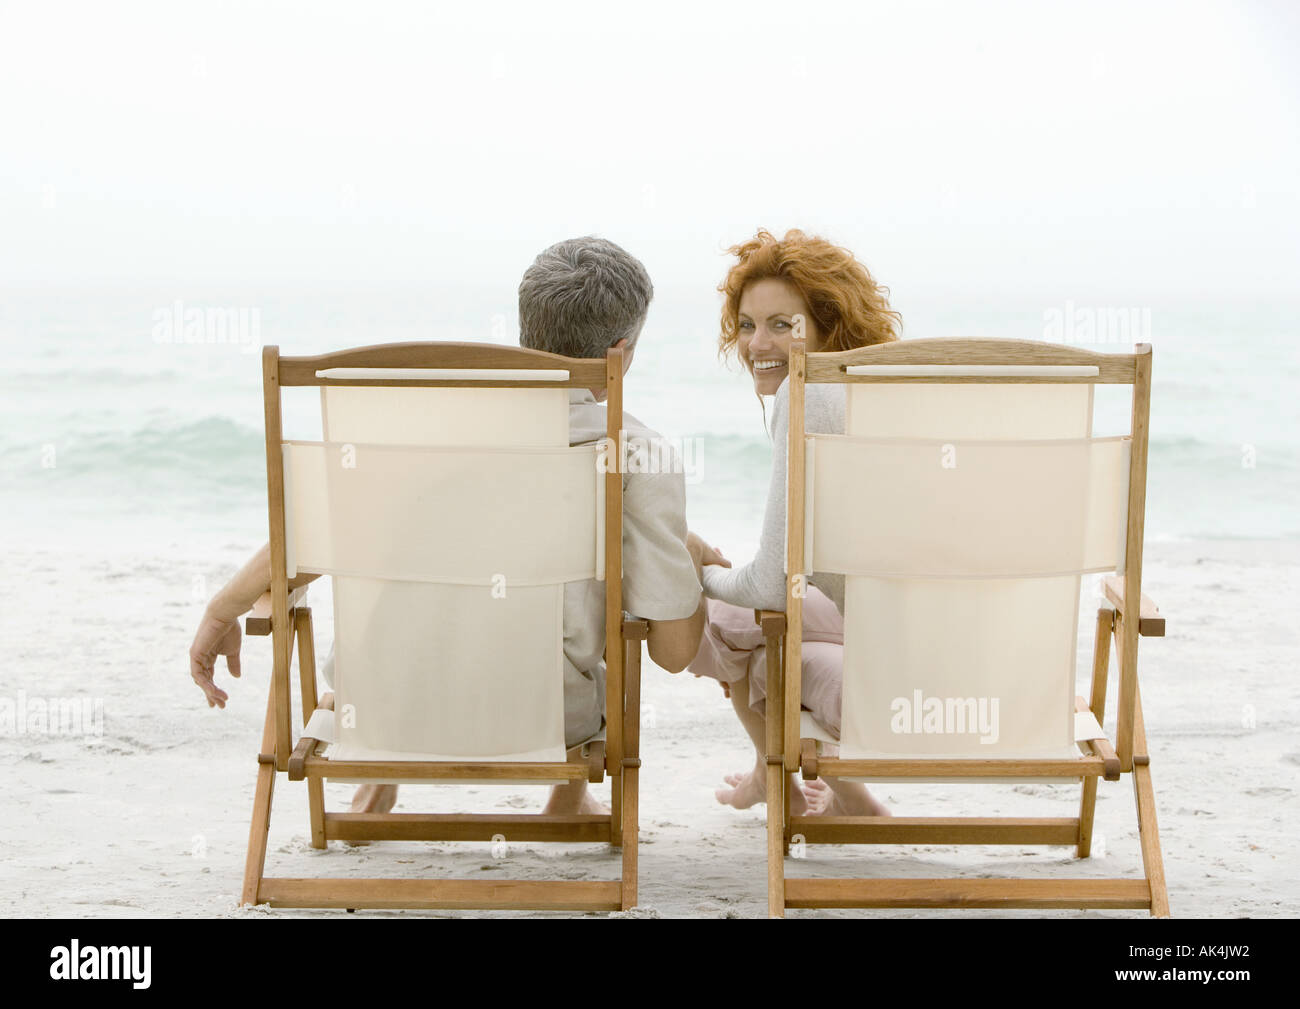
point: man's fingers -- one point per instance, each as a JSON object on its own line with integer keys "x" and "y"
{"x": 202, "y": 675}
{"x": 214, "y": 638}
{"x": 199, "y": 674}
{"x": 216, "y": 697}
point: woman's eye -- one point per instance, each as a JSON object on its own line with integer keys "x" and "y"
{"x": 780, "y": 324}
{"x": 746, "y": 325}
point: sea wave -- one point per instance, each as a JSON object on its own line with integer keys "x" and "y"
{"x": 154, "y": 455}
{"x": 90, "y": 378}
{"x": 219, "y": 441}
{"x": 1196, "y": 487}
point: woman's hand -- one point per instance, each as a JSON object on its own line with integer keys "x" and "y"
{"x": 702, "y": 553}
{"x": 712, "y": 555}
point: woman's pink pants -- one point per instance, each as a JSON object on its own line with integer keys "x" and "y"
{"x": 732, "y": 647}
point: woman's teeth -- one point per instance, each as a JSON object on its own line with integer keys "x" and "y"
{"x": 768, "y": 365}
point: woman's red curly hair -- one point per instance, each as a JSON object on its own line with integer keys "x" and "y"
{"x": 848, "y": 306}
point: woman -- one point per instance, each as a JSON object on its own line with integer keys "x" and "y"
{"x": 843, "y": 307}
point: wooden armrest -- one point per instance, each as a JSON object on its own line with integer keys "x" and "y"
{"x": 1103, "y": 749}
{"x": 772, "y": 622}
{"x": 297, "y": 760}
{"x": 635, "y": 630}
{"x": 258, "y": 622}
{"x": 1101, "y": 746}
{"x": 808, "y": 759}
{"x": 1151, "y": 623}
{"x": 596, "y": 761}
{"x": 307, "y": 744}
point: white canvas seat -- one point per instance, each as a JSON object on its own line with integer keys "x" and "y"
{"x": 987, "y": 502}
{"x": 450, "y": 531}
{"x": 963, "y": 504}
{"x": 448, "y": 507}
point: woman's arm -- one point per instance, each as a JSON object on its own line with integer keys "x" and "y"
{"x": 761, "y": 583}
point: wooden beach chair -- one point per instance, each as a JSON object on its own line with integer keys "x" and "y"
{"x": 963, "y": 504}
{"x": 447, "y": 504}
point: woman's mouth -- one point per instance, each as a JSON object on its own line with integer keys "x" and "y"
{"x": 768, "y": 365}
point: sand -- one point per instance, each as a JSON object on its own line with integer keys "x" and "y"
{"x": 150, "y": 819}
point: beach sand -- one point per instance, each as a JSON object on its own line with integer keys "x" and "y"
{"x": 150, "y": 819}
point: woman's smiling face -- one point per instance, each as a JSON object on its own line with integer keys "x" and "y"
{"x": 766, "y": 322}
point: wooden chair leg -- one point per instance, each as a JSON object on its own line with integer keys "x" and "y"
{"x": 307, "y": 676}
{"x": 1101, "y": 662}
{"x": 630, "y": 771}
{"x": 255, "y": 861}
{"x": 1148, "y": 831}
{"x": 616, "y": 809}
{"x": 786, "y": 829}
{"x": 1097, "y": 704}
{"x": 630, "y": 776}
{"x": 1087, "y": 806}
{"x": 776, "y": 801}
{"x": 316, "y": 809}
{"x": 1145, "y": 800}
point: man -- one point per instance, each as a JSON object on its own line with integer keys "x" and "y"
{"x": 579, "y": 298}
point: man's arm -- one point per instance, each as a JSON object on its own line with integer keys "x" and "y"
{"x": 673, "y": 643}
{"x": 218, "y": 632}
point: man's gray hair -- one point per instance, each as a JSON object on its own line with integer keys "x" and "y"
{"x": 581, "y": 296}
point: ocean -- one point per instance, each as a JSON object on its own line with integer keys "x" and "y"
{"x": 120, "y": 428}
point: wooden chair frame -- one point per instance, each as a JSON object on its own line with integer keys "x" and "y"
{"x": 786, "y": 752}
{"x": 283, "y": 615}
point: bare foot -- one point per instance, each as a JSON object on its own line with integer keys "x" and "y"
{"x": 372, "y": 799}
{"x": 748, "y": 789}
{"x": 568, "y": 801}
{"x": 851, "y": 798}
{"x": 818, "y": 795}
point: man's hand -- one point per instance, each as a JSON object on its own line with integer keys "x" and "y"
{"x": 215, "y": 636}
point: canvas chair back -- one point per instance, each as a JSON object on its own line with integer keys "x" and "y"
{"x": 963, "y": 515}
{"x": 450, "y": 519}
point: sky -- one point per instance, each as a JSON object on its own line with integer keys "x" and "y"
{"x": 1131, "y": 153}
